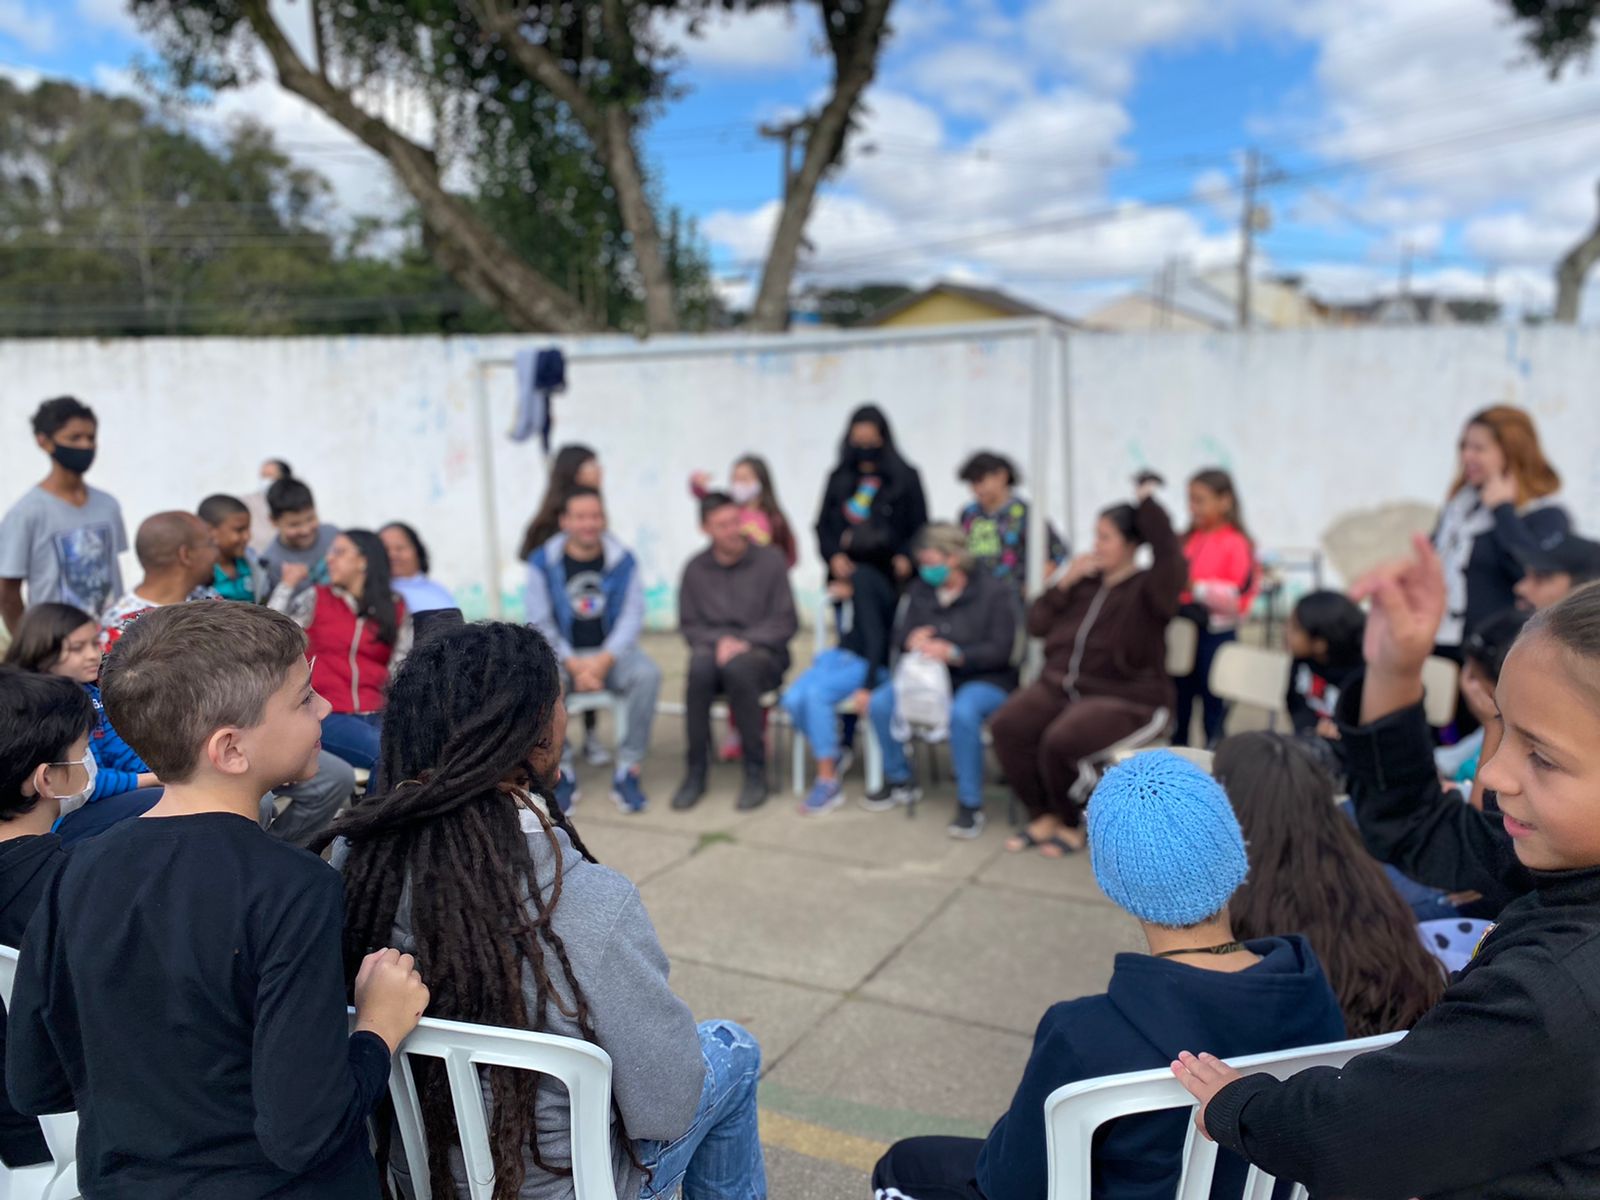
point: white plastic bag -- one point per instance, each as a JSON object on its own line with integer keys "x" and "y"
{"x": 921, "y": 698}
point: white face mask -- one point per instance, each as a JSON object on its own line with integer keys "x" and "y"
{"x": 71, "y": 804}
{"x": 744, "y": 492}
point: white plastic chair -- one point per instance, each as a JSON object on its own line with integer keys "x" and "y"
{"x": 1183, "y": 643}
{"x": 582, "y": 1067}
{"x": 1073, "y": 1113}
{"x": 1252, "y": 675}
{"x": 55, "y": 1180}
{"x": 1441, "y": 684}
{"x": 601, "y": 701}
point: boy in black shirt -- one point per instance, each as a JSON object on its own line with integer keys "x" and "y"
{"x": 188, "y": 964}
{"x": 45, "y": 773}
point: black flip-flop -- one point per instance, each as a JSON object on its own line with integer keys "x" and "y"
{"x": 1061, "y": 844}
{"x": 1027, "y": 839}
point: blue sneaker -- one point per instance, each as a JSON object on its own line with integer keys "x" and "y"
{"x": 627, "y": 794}
{"x": 825, "y": 796}
{"x": 567, "y": 793}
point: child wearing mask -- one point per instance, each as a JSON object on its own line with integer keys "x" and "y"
{"x": 760, "y": 515}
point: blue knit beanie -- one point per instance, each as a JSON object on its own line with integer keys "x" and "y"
{"x": 1163, "y": 840}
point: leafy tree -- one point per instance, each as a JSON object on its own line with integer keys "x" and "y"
{"x": 1562, "y": 33}
{"x": 113, "y": 221}
{"x": 557, "y": 93}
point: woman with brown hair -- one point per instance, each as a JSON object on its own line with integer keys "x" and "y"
{"x": 1503, "y": 503}
{"x": 1310, "y": 874}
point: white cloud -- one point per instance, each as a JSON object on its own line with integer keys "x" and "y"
{"x": 33, "y": 29}
{"x": 967, "y": 80}
{"x": 763, "y": 40}
{"x": 26, "y": 78}
{"x": 110, "y": 15}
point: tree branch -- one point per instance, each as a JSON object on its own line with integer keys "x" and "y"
{"x": 478, "y": 257}
{"x": 856, "y": 63}
{"x": 611, "y": 128}
{"x": 1571, "y": 273}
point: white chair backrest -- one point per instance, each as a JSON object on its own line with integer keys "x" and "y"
{"x": 582, "y": 1067}
{"x": 1441, "y": 684}
{"x": 1073, "y": 1113}
{"x": 60, "y": 1129}
{"x": 1183, "y": 641}
{"x": 1199, "y": 757}
{"x": 1251, "y": 675}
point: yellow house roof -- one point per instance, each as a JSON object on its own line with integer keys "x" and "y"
{"x": 953, "y": 304}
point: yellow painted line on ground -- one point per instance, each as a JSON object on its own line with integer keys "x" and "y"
{"x": 818, "y": 1141}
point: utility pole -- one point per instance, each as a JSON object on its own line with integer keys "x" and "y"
{"x": 1247, "y": 232}
{"x": 787, "y": 133}
{"x": 793, "y": 135}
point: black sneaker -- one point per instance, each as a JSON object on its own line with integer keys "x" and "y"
{"x": 754, "y": 792}
{"x": 968, "y": 823}
{"x": 892, "y": 795}
{"x": 689, "y": 791}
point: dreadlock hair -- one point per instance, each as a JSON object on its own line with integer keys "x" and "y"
{"x": 466, "y": 712}
{"x": 1309, "y": 873}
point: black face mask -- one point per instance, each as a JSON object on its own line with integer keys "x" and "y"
{"x": 73, "y": 458}
{"x": 862, "y": 457}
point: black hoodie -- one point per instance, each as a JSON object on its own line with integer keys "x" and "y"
{"x": 27, "y": 864}
{"x": 1153, "y": 1009}
{"x": 1495, "y": 1093}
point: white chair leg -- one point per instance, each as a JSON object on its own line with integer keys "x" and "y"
{"x": 798, "y": 779}
{"x": 874, "y": 751}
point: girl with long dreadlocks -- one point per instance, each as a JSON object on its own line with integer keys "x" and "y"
{"x": 467, "y": 864}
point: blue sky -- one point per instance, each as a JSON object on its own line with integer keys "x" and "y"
{"x": 1069, "y": 151}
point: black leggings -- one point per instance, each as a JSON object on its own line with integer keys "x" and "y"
{"x": 929, "y": 1168}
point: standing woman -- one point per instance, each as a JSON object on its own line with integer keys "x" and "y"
{"x": 872, "y": 509}
{"x": 357, "y": 633}
{"x": 1223, "y": 581}
{"x": 1504, "y": 502}
{"x": 575, "y": 466}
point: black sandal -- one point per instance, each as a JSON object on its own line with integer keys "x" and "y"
{"x": 1020, "y": 842}
{"x": 1061, "y": 844}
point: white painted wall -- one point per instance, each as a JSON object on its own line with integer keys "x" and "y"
{"x": 1314, "y": 424}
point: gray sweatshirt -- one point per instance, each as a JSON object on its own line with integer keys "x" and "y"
{"x": 657, "y": 1069}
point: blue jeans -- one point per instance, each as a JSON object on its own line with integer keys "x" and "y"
{"x": 100, "y": 815}
{"x": 354, "y": 737}
{"x": 1197, "y": 686}
{"x": 811, "y": 699}
{"x": 719, "y": 1158}
{"x": 974, "y": 703}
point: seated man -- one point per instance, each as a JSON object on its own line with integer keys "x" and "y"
{"x": 736, "y": 612}
{"x": 585, "y": 595}
{"x": 1165, "y": 847}
{"x": 178, "y": 554}
{"x": 966, "y": 619}
{"x": 1555, "y": 568}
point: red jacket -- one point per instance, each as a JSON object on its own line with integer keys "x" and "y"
{"x": 1222, "y": 555}
{"x": 349, "y": 663}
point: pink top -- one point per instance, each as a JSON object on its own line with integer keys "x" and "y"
{"x": 1222, "y": 556}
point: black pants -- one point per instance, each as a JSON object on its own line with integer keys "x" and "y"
{"x": 744, "y": 679}
{"x": 929, "y": 1168}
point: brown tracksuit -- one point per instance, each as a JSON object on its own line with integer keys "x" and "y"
{"x": 1104, "y": 678}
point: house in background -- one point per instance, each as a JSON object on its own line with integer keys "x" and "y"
{"x": 1181, "y": 301}
{"x": 955, "y": 304}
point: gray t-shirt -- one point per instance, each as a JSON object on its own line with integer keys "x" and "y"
{"x": 277, "y": 554}
{"x": 66, "y": 554}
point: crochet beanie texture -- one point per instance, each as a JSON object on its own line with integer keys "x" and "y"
{"x": 1163, "y": 840}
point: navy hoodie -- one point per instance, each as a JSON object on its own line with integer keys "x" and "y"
{"x": 1154, "y": 1008}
